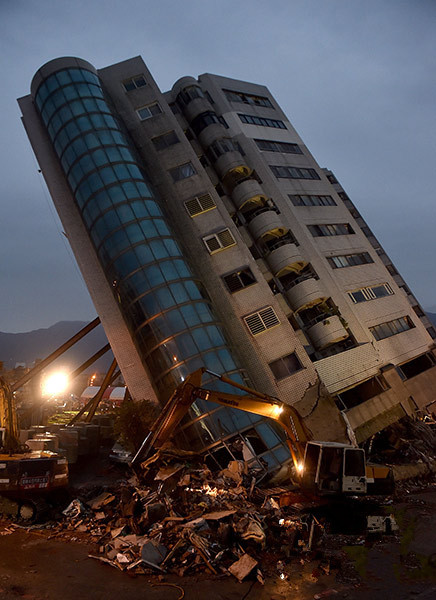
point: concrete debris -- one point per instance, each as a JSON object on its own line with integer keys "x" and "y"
{"x": 179, "y": 518}
{"x": 382, "y": 524}
{"x": 74, "y": 509}
{"x": 242, "y": 567}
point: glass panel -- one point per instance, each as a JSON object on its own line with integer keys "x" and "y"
{"x": 150, "y": 305}
{"x": 166, "y": 299}
{"x": 135, "y": 233}
{"x": 127, "y": 263}
{"x": 154, "y": 275}
{"x": 175, "y": 321}
{"x": 125, "y": 213}
{"x": 169, "y": 271}
{"x": 148, "y": 228}
{"x": 121, "y": 171}
{"x": 144, "y": 254}
{"x": 202, "y": 339}
{"x": 268, "y": 435}
{"x": 139, "y": 208}
{"x": 190, "y": 314}
{"x": 179, "y": 292}
{"x": 116, "y": 194}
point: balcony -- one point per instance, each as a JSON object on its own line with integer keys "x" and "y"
{"x": 304, "y": 292}
{"x": 266, "y": 223}
{"x": 230, "y": 167}
{"x": 246, "y": 192}
{"x": 210, "y": 133}
{"x": 284, "y": 256}
{"x": 325, "y": 331}
{"x": 196, "y": 107}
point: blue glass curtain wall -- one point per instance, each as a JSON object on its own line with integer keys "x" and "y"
{"x": 166, "y": 309}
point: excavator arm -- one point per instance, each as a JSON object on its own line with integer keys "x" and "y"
{"x": 190, "y": 390}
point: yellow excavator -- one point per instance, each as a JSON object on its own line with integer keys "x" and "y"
{"x": 323, "y": 468}
{"x": 25, "y": 477}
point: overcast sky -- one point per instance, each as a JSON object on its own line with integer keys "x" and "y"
{"x": 356, "y": 79}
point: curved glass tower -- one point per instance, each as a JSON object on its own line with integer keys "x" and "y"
{"x": 165, "y": 307}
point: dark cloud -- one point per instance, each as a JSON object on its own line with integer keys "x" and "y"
{"x": 355, "y": 78}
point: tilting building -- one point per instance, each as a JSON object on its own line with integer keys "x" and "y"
{"x": 207, "y": 234}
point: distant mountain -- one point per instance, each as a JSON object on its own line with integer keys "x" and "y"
{"x": 29, "y": 346}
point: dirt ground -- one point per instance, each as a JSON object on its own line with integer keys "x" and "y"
{"x": 35, "y": 567}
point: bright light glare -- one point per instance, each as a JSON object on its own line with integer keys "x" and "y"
{"x": 278, "y": 409}
{"x": 54, "y": 384}
{"x": 300, "y": 467}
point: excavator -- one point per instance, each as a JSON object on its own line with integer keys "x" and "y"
{"x": 25, "y": 477}
{"x": 321, "y": 468}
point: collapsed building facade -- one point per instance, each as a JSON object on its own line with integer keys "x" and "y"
{"x": 208, "y": 235}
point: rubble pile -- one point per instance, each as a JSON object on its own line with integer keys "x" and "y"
{"x": 184, "y": 520}
{"x": 408, "y": 441}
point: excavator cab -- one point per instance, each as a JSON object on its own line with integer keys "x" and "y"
{"x": 332, "y": 468}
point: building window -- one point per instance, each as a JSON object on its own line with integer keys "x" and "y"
{"x": 332, "y": 178}
{"x": 416, "y": 366}
{"x": 252, "y": 120}
{"x": 190, "y": 93}
{"x": 285, "y": 366}
{"x": 161, "y": 142}
{"x": 145, "y": 112}
{"x": 431, "y": 332}
{"x": 371, "y": 293}
{"x": 312, "y": 200}
{"x": 247, "y": 98}
{"x": 134, "y": 83}
{"x": 262, "y": 320}
{"x": 199, "y": 204}
{"x": 239, "y": 280}
{"x": 418, "y": 310}
{"x": 392, "y": 270}
{"x": 294, "y": 173}
{"x": 271, "y": 146}
{"x": 182, "y": 172}
{"x": 219, "y": 241}
{"x": 332, "y": 229}
{"x": 390, "y": 328}
{"x": 205, "y": 119}
{"x": 362, "y": 392}
{"x": 221, "y": 146}
{"x": 349, "y": 260}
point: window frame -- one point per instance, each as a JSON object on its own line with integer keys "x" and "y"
{"x": 388, "y": 329}
{"x": 261, "y": 121}
{"x": 276, "y": 146}
{"x": 162, "y": 137}
{"x": 217, "y": 237}
{"x": 313, "y": 200}
{"x": 148, "y": 107}
{"x": 282, "y": 360}
{"x": 346, "y": 258}
{"x": 245, "y": 98}
{"x": 330, "y": 229}
{"x": 133, "y": 81}
{"x": 205, "y": 202}
{"x": 369, "y": 294}
{"x": 179, "y": 170}
{"x": 237, "y": 277}
{"x": 290, "y": 172}
{"x": 262, "y": 315}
